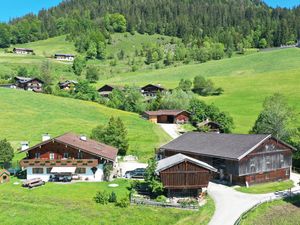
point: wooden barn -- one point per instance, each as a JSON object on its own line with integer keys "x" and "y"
{"x": 107, "y": 89}
{"x": 182, "y": 175}
{"x": 4, "y": 176}
{"x": 210, "y": 126}
{"x": 23, "y": 51}
{"x": 239, "y": 158}
{"x": 167, "y": 116}
{"x": 151, "y": 90}
{"x": 29, "y": 84}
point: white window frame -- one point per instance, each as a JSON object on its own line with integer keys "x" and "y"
{"x": 51, "y": 156}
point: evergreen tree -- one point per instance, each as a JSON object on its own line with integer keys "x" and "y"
{"x": 92, "y": 74}
{"x": 6, "y": 153}
{"x": 79, "y": 64}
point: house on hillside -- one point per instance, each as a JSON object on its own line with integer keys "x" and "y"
{"x": 182, "y": 175}
{"x": 107, "y": 89}
{"x": 4, "y": 176}
{"x": 68, "y": 154}
{"x": 167, "y": 116}
{"x": 239, "y": 158}
{"x": 151, "y": 90}
{"x": 64, "y": 57}
{"x": 68, "y": 85}
{"x": 210, "y": 126}
{"x": 29, "y": 84}
{"x": 23, "y": 51}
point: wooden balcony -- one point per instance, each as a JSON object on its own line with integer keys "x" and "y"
{"x": 59, "y": 163}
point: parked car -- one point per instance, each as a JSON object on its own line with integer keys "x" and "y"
{"x": 22, "y": 174}
{"x": 138, "y": 173}
{"x": 60, "y": 178}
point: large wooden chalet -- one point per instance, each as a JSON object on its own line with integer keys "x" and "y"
{"x": 183, "y": 175}
{"x": 151, "y": 90}
{"x": 68, "y": 85}
{"x": 68, "y": 154}
{"x": 167, "y": 116}
{"x": 29, "y": 84}
{"x": 23, "y": 51}
{"x": 64, "y": 57}
{"x": 239, "y": 158}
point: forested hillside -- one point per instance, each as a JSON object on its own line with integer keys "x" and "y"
{"x": 235, "y": 23}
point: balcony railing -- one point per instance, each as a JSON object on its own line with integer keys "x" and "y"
{"x": 59, "y": 162}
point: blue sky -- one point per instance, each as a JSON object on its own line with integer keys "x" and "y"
{"x": 15, "y": 8}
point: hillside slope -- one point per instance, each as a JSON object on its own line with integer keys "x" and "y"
{"x": 246, "y": 80}
{"x": 26, "y": 116}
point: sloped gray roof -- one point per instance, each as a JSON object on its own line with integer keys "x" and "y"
{"x": 231, "y": 146}
{"x": 179, "y": 158}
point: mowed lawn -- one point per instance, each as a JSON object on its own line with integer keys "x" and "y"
{"x": 246, "y": 80}
{"x": 279, "y": 212}
{"x": 72, "y": 204}
{"x": 27, "y": 115}
{"x": 267, "y": 187}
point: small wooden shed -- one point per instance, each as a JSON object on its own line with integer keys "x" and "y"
{"x": 182, "y": 175}
{"x": 167, "y": 116}
{"x": 4, "y": 176}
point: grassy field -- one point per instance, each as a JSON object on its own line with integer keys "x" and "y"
{"x": 246, "y": 80}
{"x": 267, "y": 187}
{"x": 73, "y": 204}
{"x": 279, "y": 212}
{"x": 27, "y": 115}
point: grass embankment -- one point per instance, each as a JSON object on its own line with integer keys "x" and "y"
{"x": 279, "y": 212}
{"x": 73, "y": 204}
{"x": 27, "y": 115}
{"x": 246, "y": 80}
{"x": 267, "y": 187}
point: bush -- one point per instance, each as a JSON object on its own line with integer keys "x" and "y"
{"x": 101, "y": 197}
{"x": 161, "y": 198}
{"x": 188, "y": 202}
{"x": 123, "y": 203}
{"x": 112, "y": 197}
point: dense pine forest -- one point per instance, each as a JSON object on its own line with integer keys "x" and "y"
{"x": 235, "y": 23}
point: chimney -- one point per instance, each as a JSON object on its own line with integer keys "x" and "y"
{"x": 46, "y": 137}
{"x": 82, "y": 137}
{"x": 24, "y": 145}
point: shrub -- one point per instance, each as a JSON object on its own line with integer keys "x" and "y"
{"x": 123, "y": 203}
{"x": 161, "y": 198}
{"x": 112, "y": 197}
{"x": 101, "y": 197}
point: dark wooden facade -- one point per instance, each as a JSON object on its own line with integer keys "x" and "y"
{"x": 270, "y": 161}
{"x": 151, "y": 90}
{"x": 61, "y": 155}
{"x": 33, "y": 84}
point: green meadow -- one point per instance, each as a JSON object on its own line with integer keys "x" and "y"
{"x": 73, "y": 204}
{"x": 27, "y": 115}
{"x": 246, "y": 81}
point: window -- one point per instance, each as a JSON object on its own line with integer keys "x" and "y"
{"x": 51, "y": 156}
{"x": 37, "y": 155}
{"x": 66, "y": 155}
{"x": 268, "y": 163}
{"x": 48, "y": 170}
{"x": 80, "y": 155}
{"x": 37, "y": 170}
{"x": 80, "y": 170}
{"x": 252, "y": 166}
{"x": 287, "y": 172}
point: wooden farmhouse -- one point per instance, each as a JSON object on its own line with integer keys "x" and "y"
{"x": 107, "y": 89}
{"x": 4, "y": 176}
{"x": 23, "y": 51}
{"x": 183, "y": 175}
{"x": 29, "y": 84}
{"x": 64, "y": 57}
{"x": 68, "y": 154}
{"x": 68, "y": 85}
{"x": 239, "y": 158}
{"x": 167, "y": 116}
{"x": 152, "y": 90}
